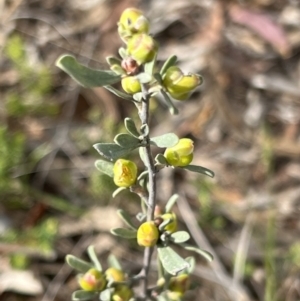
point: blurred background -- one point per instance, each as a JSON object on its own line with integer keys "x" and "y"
{"x": 244, "y": 120}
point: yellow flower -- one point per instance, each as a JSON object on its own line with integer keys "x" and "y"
{"x": 178, "y": 286}
{"x": 147, "y": 234}
{"x": 142, "y": 48}
{"x": 125, "y": 173}
{"x": 178, "y": 85}
{"x": 132, "y": 22}
{"x": 131, "y": 85}
{"x": 114, "y": 274}
{"x": 172, "y": 226}
{"x": 92, "y": 280}
{"x": 181, "y": 154}
{"x": 122, "y": 293}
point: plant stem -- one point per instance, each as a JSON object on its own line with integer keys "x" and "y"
{"x": 144, "y": 116}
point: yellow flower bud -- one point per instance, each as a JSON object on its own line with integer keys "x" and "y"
{"x": 147, "y": 234}
{"x": 92, "y": 280}
{"x": 142, "y": 48}
{"x": 132, "y": 22}
{"x": 125, "y": 173}
{"x": 122, "y": 293}
{"x": 114, "y": 274}
{"x": 179, "y": 285}
{"x": 131, "y": 85}
{"x": 172, "y": 227}
{"x": 181, "y": 154}
{"x": 179, "y": 85}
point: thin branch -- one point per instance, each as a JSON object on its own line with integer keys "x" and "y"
{"x": 144, "y": 116}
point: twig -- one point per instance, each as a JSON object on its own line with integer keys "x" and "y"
{"x": 144, "y": 116}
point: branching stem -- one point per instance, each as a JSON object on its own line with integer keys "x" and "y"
{"x": 144, "y": 116}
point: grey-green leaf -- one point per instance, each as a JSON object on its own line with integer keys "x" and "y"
{"x": 171, "y": 61}
{"x": 172, "y": 109}
{"x": 113, "y": 262}
{"x": 86, "y": 76}
{"x": 117, "y": 191}
{"x": 149, "y": 67}
{"x": 122, "y": 52}
{"x": 105, "y": 167}
{"x": 130, "y": 127}
{"x": 92, "y": 254}
{"x": 105, "y": 295}
{"x": 119, "y": 93}
{"x": 180, "y": 237}
{"x": 78, "y": 264}
{"x": 144, "y": 77}
{"x": 200, "y": 169}
{"x": 111, "y": 151}
{"x": 138, "y": 96}
{"x": 126, "y": 218}
{"x": 166, "y": 140}
{"x": 124, "y": 233}
{"x": 171, "y": 261}
{"x": 83, "y": 295}
{"x": 127, "y": 141}
{"x": 171, "y": 202}
{"x": 112, "y": 60}
{"x": 201, "y": 252}
{"x": 192, "y": 262}
{"x": 160, "y": 159}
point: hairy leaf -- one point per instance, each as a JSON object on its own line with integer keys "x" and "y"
{"x": 126, "y": 218}
{"x": 127, "y": 141}
{"x": 119, "y": 93}
{"x": 171, "y": 261}
{"x": 130, "y": 127}
{"x": 113, "y": 262}
{"x": 86, "y": 76}
{"x": 199, "y": 169}
{"x": 105, "y": 167}
{"x": 201, "y": 252}
{"x": 78, "y": 264}
{"x": 94, "y": 258}
{"x": 166, "y": 140}
{"x": 180, "y": 237}
{"x": 172, "y": 109}
{"x": 171, "y": 202}
{"x": 111, "y": 151}
{"x": 83, "y": 295}
{"x": 171, "y": 61}
{"x": 124, "y": 233}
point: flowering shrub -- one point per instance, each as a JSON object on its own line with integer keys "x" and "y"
{"x": 137, "y": 71}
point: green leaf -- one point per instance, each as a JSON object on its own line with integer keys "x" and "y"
{"x": 138, "y": 96}
{"x": 171, "y": 202}
{"x": 199, "y": 251}
{"x": 83, "y": 295}
{"x": 145, "y": 130}
{"x": 105, "y": 295}
{"x": 86, "y": 76}
{"x": 122, "y": 52}
{"x": 117, "y": 191}
{"x": 144, "y": 78}
{"x": 149, "y": 67}
{"x": 160, "y": 159}
{"x": 171, "y": 261}
{"x": 127, "y": 141}
{"x": 111, "y": 151}
{"x": 171, "y": 61}
{"x": 92, "y": 254}
{"x": 165, "y": 223}
{"x": 118, "y": 92}
{"x": 180, "y": 237}
{"x": 113, "y": 262}
{"x": 78, "y": 264}
{"x": 130, "y": 127}
{"x": 172, "y": 109}
{"x": 105, "y": 167}
{"x": 199, "y": 169}
{"x": 124, "y": 233}
{"x": 192, "y": 262}
{"x": 112, "y": 60}
{"x": 143, "y": 175}
{"x": 142, "y": 155}
{"x": 126, "y": 219}
{"x": 166, "y": 140}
